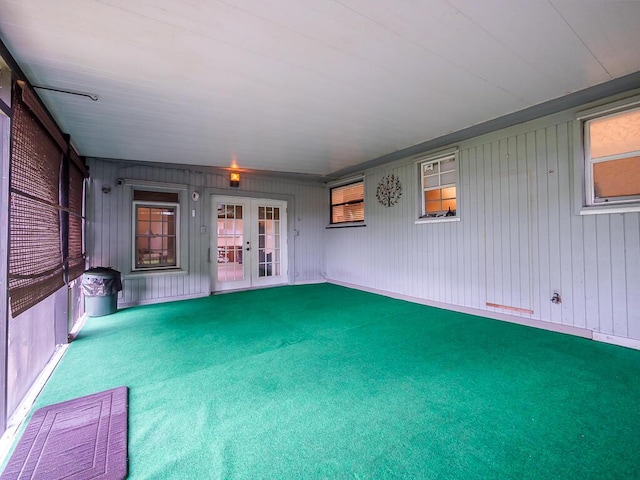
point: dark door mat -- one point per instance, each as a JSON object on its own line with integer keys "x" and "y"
{"x": 80, "y": 439}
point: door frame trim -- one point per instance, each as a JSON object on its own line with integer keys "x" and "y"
{"x": 206, "y": 202}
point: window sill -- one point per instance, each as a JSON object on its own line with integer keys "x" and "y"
{"x": 346, "y": 225}
{"x": 437, "y": 220}
{"x": 154, "y": 273}
{"x": 603, "y": 209}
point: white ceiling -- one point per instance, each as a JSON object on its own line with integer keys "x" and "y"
{"x": 311, "y": 86}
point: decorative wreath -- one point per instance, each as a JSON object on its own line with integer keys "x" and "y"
{"x": 389, "y": 190}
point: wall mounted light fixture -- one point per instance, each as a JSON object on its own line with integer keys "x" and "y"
{"x": 234, "y": 179}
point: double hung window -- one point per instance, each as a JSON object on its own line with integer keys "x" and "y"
{"x": 439, "y": 178}
{"x": 612, "y": 158}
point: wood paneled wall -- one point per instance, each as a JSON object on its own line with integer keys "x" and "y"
{"x": 109, "y": 225}
{"x": 519, "y": 240}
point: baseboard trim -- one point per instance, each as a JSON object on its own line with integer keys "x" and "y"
{"x": 553, "y": 327}
{"x": 615, "y": 340}
{"x": 311, "y": 282}
{"x": 161, "y": 300}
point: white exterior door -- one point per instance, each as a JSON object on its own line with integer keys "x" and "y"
{"x": 249, "y": 243}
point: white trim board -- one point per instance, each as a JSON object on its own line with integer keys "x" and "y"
{"x": 248, "y": 289}
{"x": 553, "y": 327}
{"x": 309, "y": 282}
{"x": 615, "y": 340}
{"x": 153, "y": 301}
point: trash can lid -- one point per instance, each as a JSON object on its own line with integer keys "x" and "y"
{"x": 102, "y": 272}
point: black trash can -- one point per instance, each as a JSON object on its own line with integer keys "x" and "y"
{"x": 100, "y": 287}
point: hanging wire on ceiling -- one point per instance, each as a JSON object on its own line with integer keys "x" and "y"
{"x": 69, "y": 92}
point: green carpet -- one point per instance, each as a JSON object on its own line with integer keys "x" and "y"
{"x": 321, "y": 381}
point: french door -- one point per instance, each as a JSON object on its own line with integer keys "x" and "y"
{"x": 248, "y": 243}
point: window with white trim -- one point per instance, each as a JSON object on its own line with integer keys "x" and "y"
{"x": 612, "y": 158}
{"x": 347, "y": 203}
{"x": 156, "y": 227}
{"x": 439, "y": 178}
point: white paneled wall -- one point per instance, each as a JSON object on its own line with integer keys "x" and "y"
{"x": 519, "y": 239}
{"x": 109, "y": 226}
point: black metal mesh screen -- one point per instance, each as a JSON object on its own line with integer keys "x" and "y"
{"x": 76, "y": 252}
{"x": 35, "y": 261}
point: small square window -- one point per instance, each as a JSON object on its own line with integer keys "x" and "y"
{"x": 612, "y": 158}
{"x": 439, "y": 187}
{"x": 347, "y": 203}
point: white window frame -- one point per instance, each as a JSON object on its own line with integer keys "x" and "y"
{"x": 432, "y": 159}
{"x": 130, "y": 185}
{"x": 584, "y": 165}
{"x": 142, "y": 203}
{"x": 589, "y": 164}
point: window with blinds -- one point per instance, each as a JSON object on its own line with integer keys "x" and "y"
{"x": 347, "y": 203}
{"x": 35, "y": 260}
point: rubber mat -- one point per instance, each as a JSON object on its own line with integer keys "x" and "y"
{"x": 84, "y": 438}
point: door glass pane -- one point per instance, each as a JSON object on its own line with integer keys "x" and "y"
{"x": 268, "y": 241}
{"x": 230, "y": 230}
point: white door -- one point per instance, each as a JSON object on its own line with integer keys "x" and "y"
{"x": 249, "y": 243}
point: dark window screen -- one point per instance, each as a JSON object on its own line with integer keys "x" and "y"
{"x": 35, "y": 260}
{"x": 148, "y": 196}
{"x": 76, "y": 222}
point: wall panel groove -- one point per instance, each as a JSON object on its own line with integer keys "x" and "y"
{"x": 109, "y": 226}
{"x": 519, "y": 238}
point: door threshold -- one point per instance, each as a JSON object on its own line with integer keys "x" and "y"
{"x": 236, "y": 290}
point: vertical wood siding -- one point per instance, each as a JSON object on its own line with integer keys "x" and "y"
{"x": 518, "y": 240}
{"x": 109, "y": 226}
